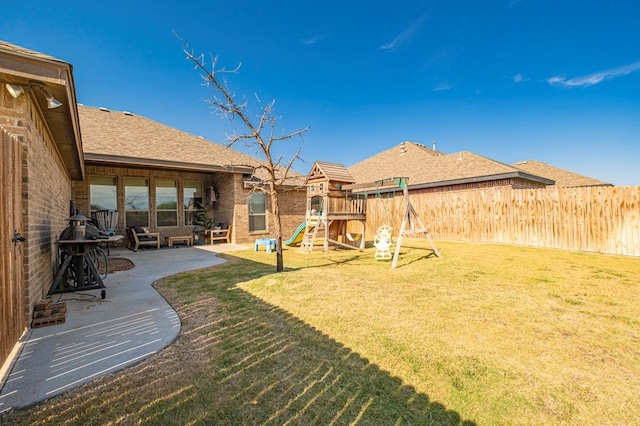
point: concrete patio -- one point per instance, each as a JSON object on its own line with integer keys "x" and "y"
{"x": 101, "y": 336}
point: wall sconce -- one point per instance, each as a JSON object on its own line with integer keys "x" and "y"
{"x": 16, "y": 91}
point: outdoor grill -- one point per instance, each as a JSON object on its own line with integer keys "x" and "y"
{"x": 79, "y": 255}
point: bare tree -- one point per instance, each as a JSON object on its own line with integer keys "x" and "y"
{"x": 260, "y": 134}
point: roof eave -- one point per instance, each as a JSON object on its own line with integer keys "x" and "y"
{"x": 57, "y": 78}
{"x": 585, "y": 185}
{"x": 117, "y": 160}
{"x": 475, "y": 179}
{"x": 250, "y": 184}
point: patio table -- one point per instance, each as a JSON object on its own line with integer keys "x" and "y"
{"x": 270, "y": 244}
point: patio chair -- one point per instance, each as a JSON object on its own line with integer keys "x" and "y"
{"x": 107, "y": 221}
{"x": 218, "y": 233}
{"x": 137, "y": 238}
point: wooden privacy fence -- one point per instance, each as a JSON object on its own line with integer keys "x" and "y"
{"x": 12, "y": 296}
{"x": 599, "y": 219}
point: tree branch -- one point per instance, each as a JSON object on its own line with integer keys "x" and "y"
{"x": 225, "y": 105}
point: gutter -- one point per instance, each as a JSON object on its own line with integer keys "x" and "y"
{"x": 509, "y": 175}
{"x": 102, "y": 159}
{"x": 251, "y": 184}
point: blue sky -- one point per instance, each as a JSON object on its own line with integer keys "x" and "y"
{"x": 513, "y": 80}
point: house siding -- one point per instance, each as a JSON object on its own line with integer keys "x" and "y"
{"x": 223, "y": 209}
{"x": 508, "y": 183}
{"x": 293, "y": 210}
{"x": 46, "y": 195}
{"x": 292, "y": 213}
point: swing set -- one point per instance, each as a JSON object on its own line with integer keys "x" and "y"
{"x": 337, "y": 212}
{"x": 411, "y": 224}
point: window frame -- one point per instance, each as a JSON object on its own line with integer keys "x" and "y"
{"x": 92, "y": 211}
{"x": 165, "y": 184}
{"x": 127, "y": 211}
{"x": 253, "y": 215}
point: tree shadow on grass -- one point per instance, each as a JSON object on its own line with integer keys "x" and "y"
{"x": 239, "y": 360}
{"x": 411, "y": 252}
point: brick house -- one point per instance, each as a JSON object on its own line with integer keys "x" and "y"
{"x": 561, "y": 177}
{"x": 40, "y": 159}
{"x": 430, "y": 170}
{"x": 57, "y": 155}
{"x": 157, "y": 176}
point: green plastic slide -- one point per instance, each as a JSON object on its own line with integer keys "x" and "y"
{"x": 297, "y": 236}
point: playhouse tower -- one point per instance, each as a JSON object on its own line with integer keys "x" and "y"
{"x": 333, "y": 211}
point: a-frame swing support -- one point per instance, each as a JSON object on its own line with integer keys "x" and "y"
{"x": 410, "y": 217}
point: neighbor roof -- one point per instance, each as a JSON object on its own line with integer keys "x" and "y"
{"x": 425, "y": 167}
{"x": 124, "y": 138}
{"x": 560, "y": 176}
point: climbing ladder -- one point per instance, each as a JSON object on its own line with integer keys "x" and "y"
{"x": 310, "y": 234}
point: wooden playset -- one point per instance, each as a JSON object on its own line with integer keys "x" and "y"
{"x": 333, "y": 212}
{"x": 337, "y": 211}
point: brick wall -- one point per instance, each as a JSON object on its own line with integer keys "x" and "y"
{"x": 46, "y": 194}
{"x": 508, "y": 183}
{"x": 293, "y": 210}
{"x": 292, "y": 213}
{"x": 230, "y": 207}
{"x": 223, "y": 208}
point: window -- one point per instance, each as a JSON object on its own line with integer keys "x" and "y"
{"x": 103, "y": 193}
{"x": 136, "y": 201}
{"x": 166, "y": 203}
{"x": 315, "y": 205}
{"x": 192, "y": 198}
{"x": 257, "y": 212}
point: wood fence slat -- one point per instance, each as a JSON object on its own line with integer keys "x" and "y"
{"x": 600, "y": 219}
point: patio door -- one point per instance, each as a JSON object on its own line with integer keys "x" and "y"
{"x": 12, "y": 312}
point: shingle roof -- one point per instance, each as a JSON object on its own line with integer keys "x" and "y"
{"x": 124, "y": 137}
{"x": 560, "y": 176}
{"x": 19, "y": 50}
{"x": 425, "y": 166}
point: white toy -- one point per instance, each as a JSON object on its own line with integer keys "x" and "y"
{"x": 382, "y": 242}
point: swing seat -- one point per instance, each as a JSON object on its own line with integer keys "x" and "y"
{"x": 353, "y": 237}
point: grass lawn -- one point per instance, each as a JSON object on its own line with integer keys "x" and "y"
{"x": 487, "y": 334}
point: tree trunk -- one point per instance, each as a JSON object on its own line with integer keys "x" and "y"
{"x": 275, "y": 209}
